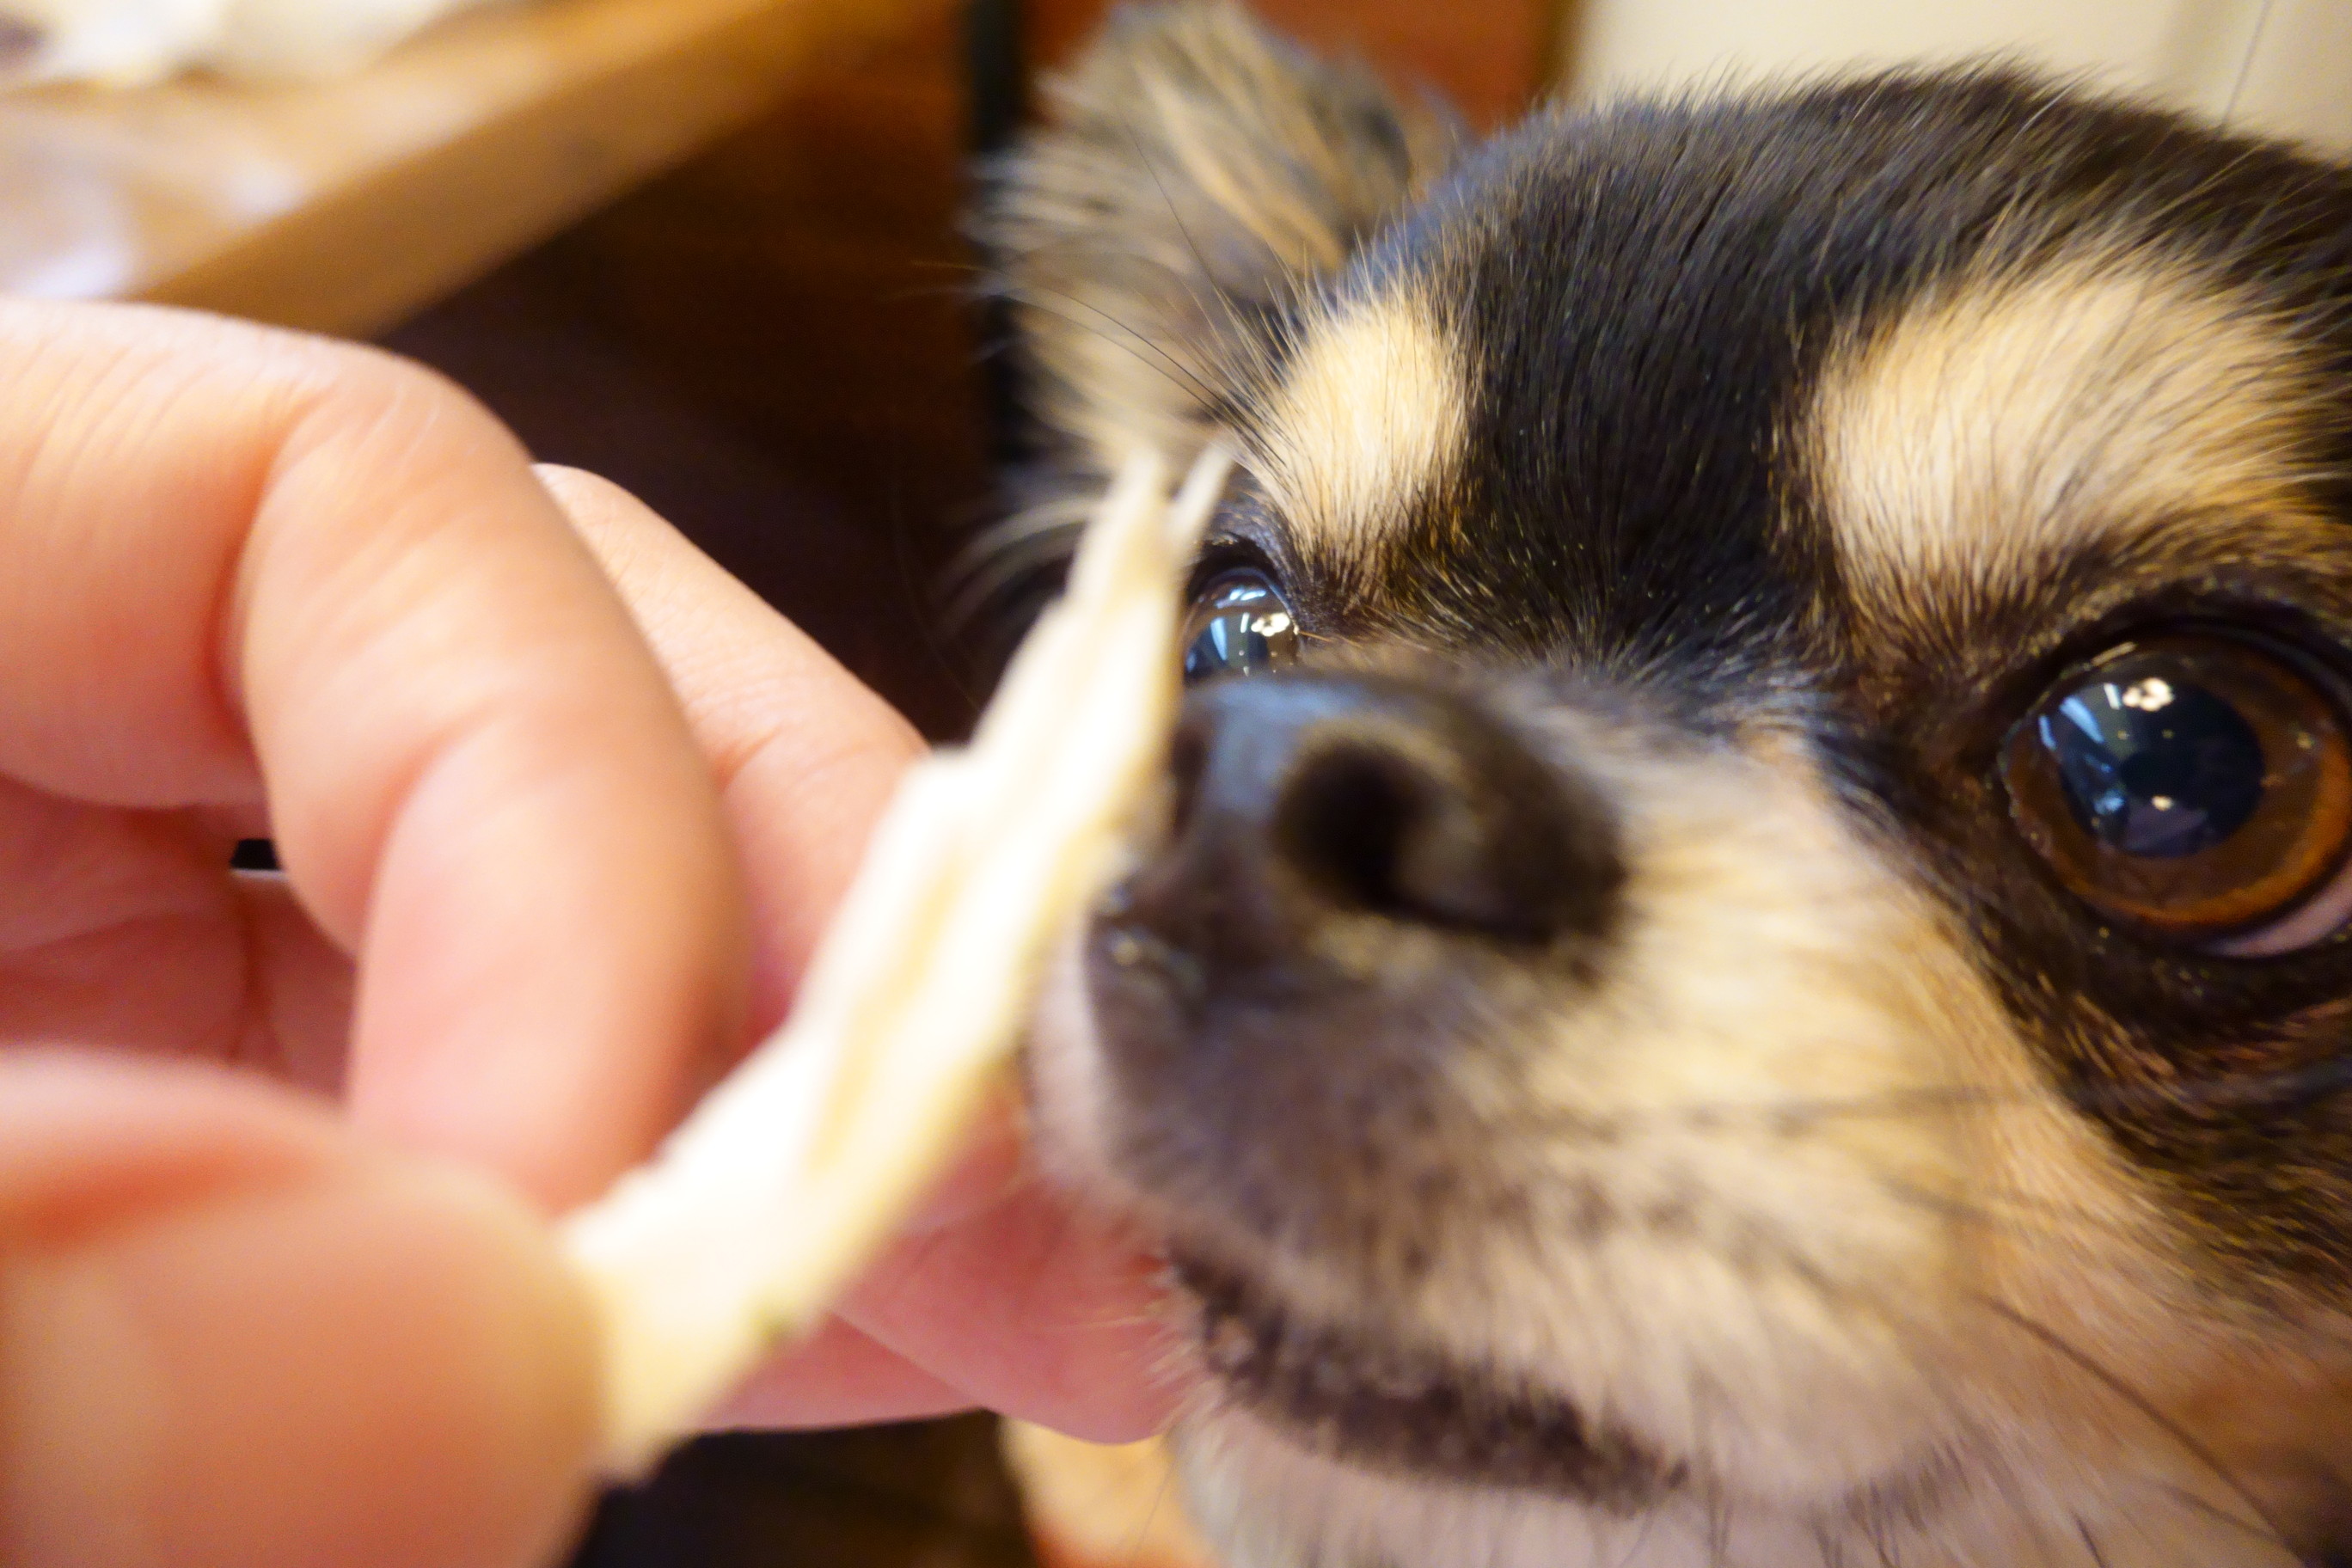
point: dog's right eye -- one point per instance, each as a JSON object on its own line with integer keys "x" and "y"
{"x": 1240, "y": 625}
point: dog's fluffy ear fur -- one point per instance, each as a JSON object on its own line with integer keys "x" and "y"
{"x": 1197, "y": 172}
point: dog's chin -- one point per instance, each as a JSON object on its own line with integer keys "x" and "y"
{"x": 1351, "y": 1394}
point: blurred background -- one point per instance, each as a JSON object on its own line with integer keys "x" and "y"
{"x": 711, "y": 246}
{"x": 710, "y": 249}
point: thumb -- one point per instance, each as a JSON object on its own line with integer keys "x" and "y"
{"x": 230, "y": 1333}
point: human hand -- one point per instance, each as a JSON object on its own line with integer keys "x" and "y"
{"x": 251, "y": 583}
{"x": 998, "y": 1294}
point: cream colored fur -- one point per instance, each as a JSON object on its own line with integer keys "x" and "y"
{"x": 1987, "y": 432}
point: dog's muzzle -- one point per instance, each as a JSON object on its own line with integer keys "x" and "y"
{"x": 1306, "y": 804}
{"x": 1365, "y": 879}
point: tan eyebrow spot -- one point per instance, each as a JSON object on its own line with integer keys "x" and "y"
{"x": 1991, "y": 430}
{"x": 1371, "y": 417}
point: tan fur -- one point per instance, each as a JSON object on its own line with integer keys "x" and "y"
{"x": 1963, "y": 448}
{"x": 1367, "y": 420}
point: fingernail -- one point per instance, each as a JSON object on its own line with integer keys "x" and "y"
{"x": 376, "y": 1363}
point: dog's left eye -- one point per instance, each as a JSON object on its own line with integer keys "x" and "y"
{"x": 2193, "y": 785}
{"x": 1240, "y": 625}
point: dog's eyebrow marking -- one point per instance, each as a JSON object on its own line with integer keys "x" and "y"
{"x": 1371, "y": 417}
{"x": 1994, "y": 427}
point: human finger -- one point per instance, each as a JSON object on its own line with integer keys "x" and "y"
{"x": 805, "y": 755}
{"x": 124, "y": 929}
{"x": 233, "y": 1335}
{"x": 999, "y": 1293}
{"x": 244, "y": 565}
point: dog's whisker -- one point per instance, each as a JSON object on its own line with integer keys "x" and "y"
{"x": 2045, "y": 1222}
{"x": 2139, "y": 1404}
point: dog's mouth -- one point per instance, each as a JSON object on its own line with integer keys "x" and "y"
{"x": 1404, "y": 1410}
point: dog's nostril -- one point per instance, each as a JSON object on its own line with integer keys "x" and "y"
{"x": 1413, "y": 807}
{"x": 1408, "y": 832}
{"x": 1351, "y": 821}
{"x": 1299, "y": 800}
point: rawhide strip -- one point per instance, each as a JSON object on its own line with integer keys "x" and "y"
{"x": 762, "y": 1207}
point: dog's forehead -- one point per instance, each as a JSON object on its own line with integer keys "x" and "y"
{"x": 1370, "y": 422}
{"x": 2000, "y": 427}
{"x": 1639, "y": 384}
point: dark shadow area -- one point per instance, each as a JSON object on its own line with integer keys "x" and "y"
{"x": 933, "y": 1493}
{"x": 855, "y": 573}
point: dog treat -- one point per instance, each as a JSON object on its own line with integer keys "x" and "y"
{"x": 762, "y": 1207}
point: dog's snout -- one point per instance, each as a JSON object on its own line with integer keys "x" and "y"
{"x": 1309, "y": 799}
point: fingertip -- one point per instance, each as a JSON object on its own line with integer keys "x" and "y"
{"x": 355, "y": 1359}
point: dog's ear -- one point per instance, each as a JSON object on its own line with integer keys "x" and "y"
{"x": 1197, "y": 174}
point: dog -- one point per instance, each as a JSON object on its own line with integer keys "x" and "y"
{"x": 1747, "y": 960}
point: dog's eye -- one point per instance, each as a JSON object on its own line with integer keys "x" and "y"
{"x": 1239, "y": 625}
{"x": 2192, "y": 785}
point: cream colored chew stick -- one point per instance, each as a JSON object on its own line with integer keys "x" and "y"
{"x": 762, "y": 1207}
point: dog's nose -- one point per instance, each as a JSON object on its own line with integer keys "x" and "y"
{"x": 1306, "y": 803}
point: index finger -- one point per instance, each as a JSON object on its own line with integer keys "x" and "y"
{"x": 245, "y": 567}
{"x": 804, "y": 756}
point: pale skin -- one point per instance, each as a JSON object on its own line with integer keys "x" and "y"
{"x": 562, "y": 808}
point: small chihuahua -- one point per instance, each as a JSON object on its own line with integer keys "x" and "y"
{"x": 1751, "y": 959}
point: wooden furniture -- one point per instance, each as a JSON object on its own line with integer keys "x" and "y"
{"x": 346, "y": 205}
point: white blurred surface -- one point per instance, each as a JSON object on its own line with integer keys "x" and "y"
{"x": 127, "y": 43}
{"x": 2280, "y": 67}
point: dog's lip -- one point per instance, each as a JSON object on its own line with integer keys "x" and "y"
{"x": 1402, "y": 1411}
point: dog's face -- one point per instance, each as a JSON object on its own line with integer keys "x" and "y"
{"x": 1750, "y": 961}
